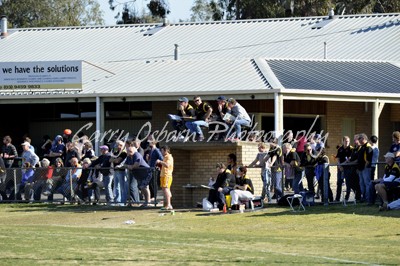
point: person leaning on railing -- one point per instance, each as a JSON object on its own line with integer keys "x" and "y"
{"x": 308, "y": 162}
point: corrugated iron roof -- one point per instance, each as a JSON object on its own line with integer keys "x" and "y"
{"x": 337, "y": 76}
{"x": 223, "y": 56}
{"x": 351, "y": 37}
{"x": 160, "y": 77}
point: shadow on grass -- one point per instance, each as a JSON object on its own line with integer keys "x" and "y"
{"x": 359, "y": 209}
{"x": 42, "y": 207}
{"x": 268, "y": 211}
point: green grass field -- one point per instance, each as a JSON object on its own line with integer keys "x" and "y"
{"x": 98, "y": 235}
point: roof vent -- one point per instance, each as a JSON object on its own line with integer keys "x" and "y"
{"x": 176, "y": 52}
{"x": 325, "y": 21}
{"x": 331, "y": 14}
{"x": 165, "y": 22}
{"x": 4, "y": 32}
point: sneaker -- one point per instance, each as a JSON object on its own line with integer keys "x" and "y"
{"x": 144, "y": 205}
{"x": 200, "y": 138}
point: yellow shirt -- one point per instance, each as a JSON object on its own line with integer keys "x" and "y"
{"x": 167, "y": 170}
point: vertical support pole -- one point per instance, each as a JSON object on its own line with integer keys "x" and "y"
{"x": 278, "y": 116}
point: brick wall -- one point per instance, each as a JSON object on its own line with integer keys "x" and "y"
{"x": 195, "y": 164}
{"x": 336, "y": 111}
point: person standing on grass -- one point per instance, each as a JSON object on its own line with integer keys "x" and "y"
{"x": 375, "y": 155}
{"x": 167, "y": 167}
{"x": 308, "y": 162}
{"x": 364, "y": 160}
{"x": 140, "y": 174}
{"x": 263, "y": 160}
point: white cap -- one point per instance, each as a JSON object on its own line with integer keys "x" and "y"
{"x": 26, "y": 144}
{"x": 389, "y": 155}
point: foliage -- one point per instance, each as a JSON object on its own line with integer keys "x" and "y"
{"x": 51, "y": 13}
{"x": 201, "y": 11}
{"x": 67, "y": 234}
{"x": 254, "y": 9}
{"x": 157, "y": 9}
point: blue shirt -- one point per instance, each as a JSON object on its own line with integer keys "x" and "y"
{"x": 136, "y": 158}
{"x": 155, "y": 154}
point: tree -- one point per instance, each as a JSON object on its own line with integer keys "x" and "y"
{"x": 254, "y": 9}
{"x": 51, "y": 13}
{"x": 157, "y": 9}
{"x": 201, "y": 11}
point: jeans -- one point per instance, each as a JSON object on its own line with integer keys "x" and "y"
{"x": 178, "y": 125}
{"x": 297, "y": 185}
{"x": 107, "y": 181}
{"x": 339, "y": 184}
{"x": 277, "y": 183}
{"x": 310, "y": 173}
{"x": 133, "y": 188}
{"x": 121, "y": 187}
{"x": 239, "y": 122}
{"x": 266, "y": 179}
{"x": 365, "y": 180}
{"x": 194, "y": 127}
{"x": 215, "y": 196}
{"x": 65, "y": 188}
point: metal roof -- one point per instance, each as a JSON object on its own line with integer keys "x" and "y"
{"x": 350, "y": 37}
{"x": 170, "y": 77}
{"x": 337, "y": 76}
{"x": 231, "y": 57}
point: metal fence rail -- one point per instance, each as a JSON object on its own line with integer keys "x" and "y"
{"x": 51, "y": 184}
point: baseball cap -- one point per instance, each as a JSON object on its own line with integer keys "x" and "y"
{"x": 221, "y": 98}
{"x": 104, "y": 147}
{"x": 26, "y": 144}
{"x": 183, "y": 99}
{"x": 389, "y": 155}
{"x": 317, "y": 136}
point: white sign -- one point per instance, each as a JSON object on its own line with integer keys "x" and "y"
{"x": 41, "y": 75}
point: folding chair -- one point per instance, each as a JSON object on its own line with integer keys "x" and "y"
{"x": 290, "y": 200}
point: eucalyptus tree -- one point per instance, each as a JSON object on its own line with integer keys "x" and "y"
{"x": 51, "y": 13}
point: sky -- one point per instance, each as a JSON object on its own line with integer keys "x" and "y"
{"x": 180, "y": 9}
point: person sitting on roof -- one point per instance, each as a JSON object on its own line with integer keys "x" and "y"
{"x": 239, "y": 117}
{"x": 184, "y": 110}
{"x": 203, "y": 112}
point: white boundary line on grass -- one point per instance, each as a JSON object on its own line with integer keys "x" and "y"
{"x": 320, "y": 257}
{"x": 277, "y": 252}
{"x": 263, "y": 250}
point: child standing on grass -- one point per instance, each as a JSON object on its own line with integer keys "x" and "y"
{"x": 263, "y": 160}
{"x": 167, "y": 167}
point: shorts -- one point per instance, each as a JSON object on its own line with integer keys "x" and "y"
{"x": 165, "y": 181}
{"x": 143, "y": 175}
